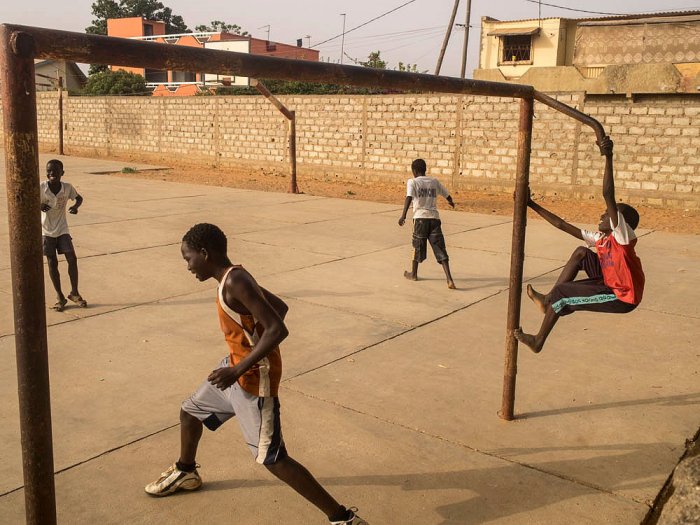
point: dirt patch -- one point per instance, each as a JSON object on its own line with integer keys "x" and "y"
{"x": 581, "y": 211}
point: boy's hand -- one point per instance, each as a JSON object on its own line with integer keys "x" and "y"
{"x": 451, "y": 202}
{"x": 402, "y": 220}
{"x": 606, "y": 146}
{"x": 222, "y": 378}
{"x": 73, "y": 210}
{"x": 45, "y": 207}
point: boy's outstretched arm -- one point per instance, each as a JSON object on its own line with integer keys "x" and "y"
{"x": 406, "y": 204}
{"x": 606, "y": 147}
{"x": 554, "y": 220}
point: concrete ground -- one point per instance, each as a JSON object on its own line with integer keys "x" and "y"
{"x": 391, "y": 387}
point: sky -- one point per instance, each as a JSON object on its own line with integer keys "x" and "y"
{"x": 412, "y": 34}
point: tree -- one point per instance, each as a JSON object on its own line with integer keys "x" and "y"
{"x": 149, "y": 9}
{"x": 116, "y": 83}
{"x": 374, "y": 60}
{"x": 217, "y": 26}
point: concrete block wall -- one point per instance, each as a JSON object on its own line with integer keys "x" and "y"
{"x": 467, "y": 141}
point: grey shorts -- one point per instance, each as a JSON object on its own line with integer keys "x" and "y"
{"x": 258, "y": 417}
{"x": 60, "y": 244}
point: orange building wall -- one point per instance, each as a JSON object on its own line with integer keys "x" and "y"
{"x": 260, "y": 47}
{"x": 128, "y": 27}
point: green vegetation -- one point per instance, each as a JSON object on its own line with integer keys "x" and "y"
{"x": 116, "y": 83}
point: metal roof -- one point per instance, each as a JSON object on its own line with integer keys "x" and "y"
{"x": 630, "y": 16}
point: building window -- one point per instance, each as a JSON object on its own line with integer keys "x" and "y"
{"x": 516, "y": 49}
{"x": 147, "y": 29}
{"x": 156, "y": 76}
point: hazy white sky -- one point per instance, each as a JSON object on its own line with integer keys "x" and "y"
{"x": 412, "y": 34}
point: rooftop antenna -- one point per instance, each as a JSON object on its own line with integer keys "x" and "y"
{"x": 268, "y": 31}
{"x": 308, "y": 40}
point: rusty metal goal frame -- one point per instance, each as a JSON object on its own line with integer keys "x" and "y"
{"x": 20, "y": 45}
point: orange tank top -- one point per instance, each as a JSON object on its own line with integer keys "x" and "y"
{"x": 242, "y": 332}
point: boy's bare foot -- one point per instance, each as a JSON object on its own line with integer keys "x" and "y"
{"x": 60, "y": 305}
{"x": 410, "y": 276}
{"x": 538, "y": 298}
{"x": 451, "y": 285}
{"x": 528, "y": 340}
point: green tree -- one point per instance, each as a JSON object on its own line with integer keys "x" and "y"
{"x": 374, "y": 60}
{"x": 223, "y": 27}
{"x": 116, "y": 83}
{"x": 149, "y": 9}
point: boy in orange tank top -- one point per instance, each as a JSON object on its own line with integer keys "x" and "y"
{"x": 245, "y": 383}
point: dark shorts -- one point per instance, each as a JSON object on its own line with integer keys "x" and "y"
{"x": 591, "y": 295}
{"x": 60, "y": 244}
{"x": 428, "y": 230}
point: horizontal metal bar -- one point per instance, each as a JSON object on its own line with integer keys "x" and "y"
{"x": 98, "y": 49}
{"x": 573, "y": 113}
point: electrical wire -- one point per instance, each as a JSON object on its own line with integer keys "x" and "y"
{"x": 365, "y": 23}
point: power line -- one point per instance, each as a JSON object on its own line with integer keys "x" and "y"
{"x": 365, "y": 23}
{"x": 383, "y": 41}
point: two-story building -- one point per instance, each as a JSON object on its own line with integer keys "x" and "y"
{"x": 168, "y": 83}
{"x": 657, "y": 53}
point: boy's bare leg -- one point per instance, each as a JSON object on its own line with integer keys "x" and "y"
{"x": 538, "y": 298}
{"x": 568, "y": 274}
{"x": 448, "y": 275}
{"x": 300, "y": 479}
{"x": 72, "y": 261}
{"x": 190, "y": 433}
{"x": 55, "y": 277}
{"x": 413, "y": 274}
{"x": 536, "y": 342}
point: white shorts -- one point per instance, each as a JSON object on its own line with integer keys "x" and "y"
{"x": 258, "y": 417}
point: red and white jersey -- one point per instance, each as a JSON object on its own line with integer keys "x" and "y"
{"x": 622, "y": 269}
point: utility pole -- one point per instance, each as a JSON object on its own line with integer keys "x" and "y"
{"x": 342, "y": 41}
{"x": 466, "y": 38}
{"x": 447, "y": 37}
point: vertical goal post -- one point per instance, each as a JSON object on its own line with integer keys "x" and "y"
{"x": 20, "y": 45}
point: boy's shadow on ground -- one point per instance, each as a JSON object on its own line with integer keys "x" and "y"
{"x": 486, "y": 494}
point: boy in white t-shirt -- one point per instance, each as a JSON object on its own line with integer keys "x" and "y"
{"x": 56, "y": 239}
{"x": 423, "y": 191}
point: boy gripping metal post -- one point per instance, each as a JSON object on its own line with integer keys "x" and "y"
{"x": 615, "y": 280}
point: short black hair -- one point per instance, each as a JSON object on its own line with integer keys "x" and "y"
{"x": 56, "y": 162}
{"x": 419, "y": 166}
{"x": 207, "y": 236}
{"x": 630, "y": 214}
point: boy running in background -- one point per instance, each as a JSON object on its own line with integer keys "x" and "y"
{"x": 245, "y": 384}
{"x": 615, "y": 278}
{"x": 56, "y": 239}
{"x": 423, "y": 191}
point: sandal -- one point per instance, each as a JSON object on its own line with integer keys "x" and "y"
{"x": 60, "y": 305}
{"x": 77, "y": 299}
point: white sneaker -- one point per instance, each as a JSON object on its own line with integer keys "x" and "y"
{"x": 173, "y": 480}
{"x": 354, "y": 519}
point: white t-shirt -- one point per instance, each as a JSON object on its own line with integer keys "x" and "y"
{"x": 53, "y": 222}
{"x": 623, "y": 234}
{"x": 425, "y": 191}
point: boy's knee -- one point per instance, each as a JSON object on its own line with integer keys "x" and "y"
{"x": 71, "y": 257}
{"x": 52, "y": 261}
{"x": 580, "y": 252}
